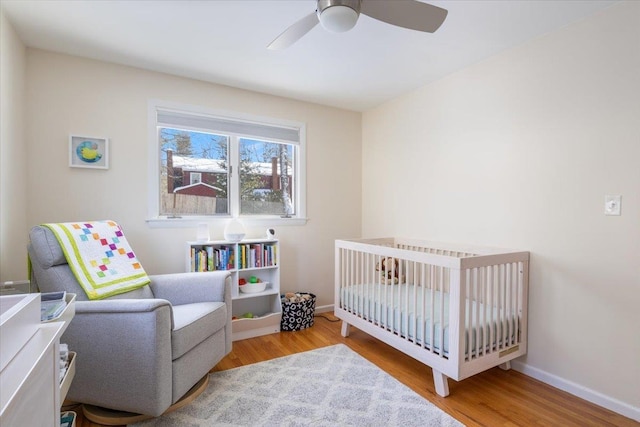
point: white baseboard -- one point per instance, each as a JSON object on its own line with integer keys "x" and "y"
{"x": 324, "y": 308}
{"x": 578, "y": 390}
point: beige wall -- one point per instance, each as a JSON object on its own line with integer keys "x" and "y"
{"x": 69, "y": 95}
{"x": 519, "y": 151}
{"x": 13, "y": 155}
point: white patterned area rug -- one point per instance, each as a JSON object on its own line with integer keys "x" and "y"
{"x": 331, "y": 386}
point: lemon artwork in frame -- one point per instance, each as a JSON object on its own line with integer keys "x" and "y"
{"x": 88, "y": 152}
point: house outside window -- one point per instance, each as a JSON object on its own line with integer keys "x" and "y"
{"x": 207, "y": 166}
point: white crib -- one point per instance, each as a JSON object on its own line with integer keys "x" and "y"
{"x": 459, "y": 310}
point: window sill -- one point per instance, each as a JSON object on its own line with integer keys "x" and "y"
{"x": 193, "y": 221}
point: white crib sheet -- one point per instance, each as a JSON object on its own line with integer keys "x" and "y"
{"x": 405, "y": 312}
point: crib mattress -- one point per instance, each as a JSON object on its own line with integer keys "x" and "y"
{"x": 424, "y": 319}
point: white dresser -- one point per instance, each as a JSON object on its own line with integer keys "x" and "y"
{"x": 29, "y": 361}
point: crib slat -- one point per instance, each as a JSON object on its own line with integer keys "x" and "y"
{"x": 414, "y": 307}
{"x": 352, "y": 275}
{"x": 468, "y": 316}
{"x": 498, "y": 305}
{"x": 378, "y": 296}
{"x": 440, "y": 277}
{"x": 512, "y": 306}
{"x": 483, "y": 293}
{"x": 404, "y": 272}
{"x": 342, "y": 272}
{"x": 361, "y": 262}
{"x": 493, "y": 303}
{"x": 520, "y": 301}
{"x": 390, "y": 304}
{"x": 501, "y": 306}
{"x": 474, "y": 350}
{"x": 432, "y": 323}
{"x": 507, "y": 305}
{"x": 369, "y": 288}
{"x": 505, "y": 308}
{"x": 476, "y": 323}
{"x": 423, "y": 287}
{"x": 457, "y": 314}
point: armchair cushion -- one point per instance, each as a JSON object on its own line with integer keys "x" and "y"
{"x": 193, "y": 323}
{"x": 46, "y": 247}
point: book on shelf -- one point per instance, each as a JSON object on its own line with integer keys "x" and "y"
{"x": 256, "y": 255}
{"x": 210, "y": 260}
{"x": 52, "y": 304}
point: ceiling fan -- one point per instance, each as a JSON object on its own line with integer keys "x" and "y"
{"x": 341, "y": 15}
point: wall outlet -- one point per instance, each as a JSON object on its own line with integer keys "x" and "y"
{"x": 612, "y": 205}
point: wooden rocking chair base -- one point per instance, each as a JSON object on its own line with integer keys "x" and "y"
{"x": 110, "y": 417}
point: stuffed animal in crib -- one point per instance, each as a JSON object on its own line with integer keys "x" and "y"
{"x": 389, "y": 269}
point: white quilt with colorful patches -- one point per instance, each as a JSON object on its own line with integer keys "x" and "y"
{"x": 100, "y": 257}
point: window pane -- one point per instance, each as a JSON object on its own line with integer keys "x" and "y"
{"x": 266, "y": 178}
{"x": 194, "y": 177}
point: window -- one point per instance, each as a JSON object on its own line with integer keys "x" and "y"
{"x": 195, "y": 177}
{"x": 266, "y": 178}
{"x": 207, "y": 165}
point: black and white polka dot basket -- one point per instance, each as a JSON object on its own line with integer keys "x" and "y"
{"x": 297, "y": 315}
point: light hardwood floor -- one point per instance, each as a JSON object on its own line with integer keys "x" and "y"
{"x": 492, "y": 398}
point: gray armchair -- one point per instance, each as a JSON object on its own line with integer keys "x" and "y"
{"x": 141, "y": 351}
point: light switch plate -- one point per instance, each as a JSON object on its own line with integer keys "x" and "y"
{"x": 612, "y": 205}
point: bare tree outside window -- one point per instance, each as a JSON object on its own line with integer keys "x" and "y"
{"x": 266, "y": 178}
{"x": 191, "y": 180}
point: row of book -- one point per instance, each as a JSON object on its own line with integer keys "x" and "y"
{"x": 213, "y": 258}
{"x": 256, "y": 255}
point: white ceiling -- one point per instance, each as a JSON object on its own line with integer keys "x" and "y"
{"x": 225, "y": 42}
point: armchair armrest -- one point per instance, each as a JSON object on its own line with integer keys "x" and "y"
{"x": 118, "y": 342}
{"x": 188, "y": 288}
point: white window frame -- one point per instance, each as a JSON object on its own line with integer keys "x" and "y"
{"x": 154, "y": 218}
{"x": 195, "y": 178}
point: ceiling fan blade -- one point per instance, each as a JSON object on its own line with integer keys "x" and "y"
{"x": 410, "y": 14}
{"x": 294, "y": 32}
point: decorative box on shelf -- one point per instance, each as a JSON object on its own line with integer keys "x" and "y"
{"x": 68, "y": 312}
{"x": 251, "y": 262}
{"x": 68, "y": 419}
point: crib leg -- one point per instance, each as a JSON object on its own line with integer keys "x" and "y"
{"x": 505, "y": 366}
{"x": 345, "y": 329}
{"x": 440, "y": 381}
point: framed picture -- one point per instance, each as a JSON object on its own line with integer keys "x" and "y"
{"x": 88, "y": 152}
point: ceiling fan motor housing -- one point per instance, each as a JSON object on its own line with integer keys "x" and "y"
{"x": 338, "y": 16}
